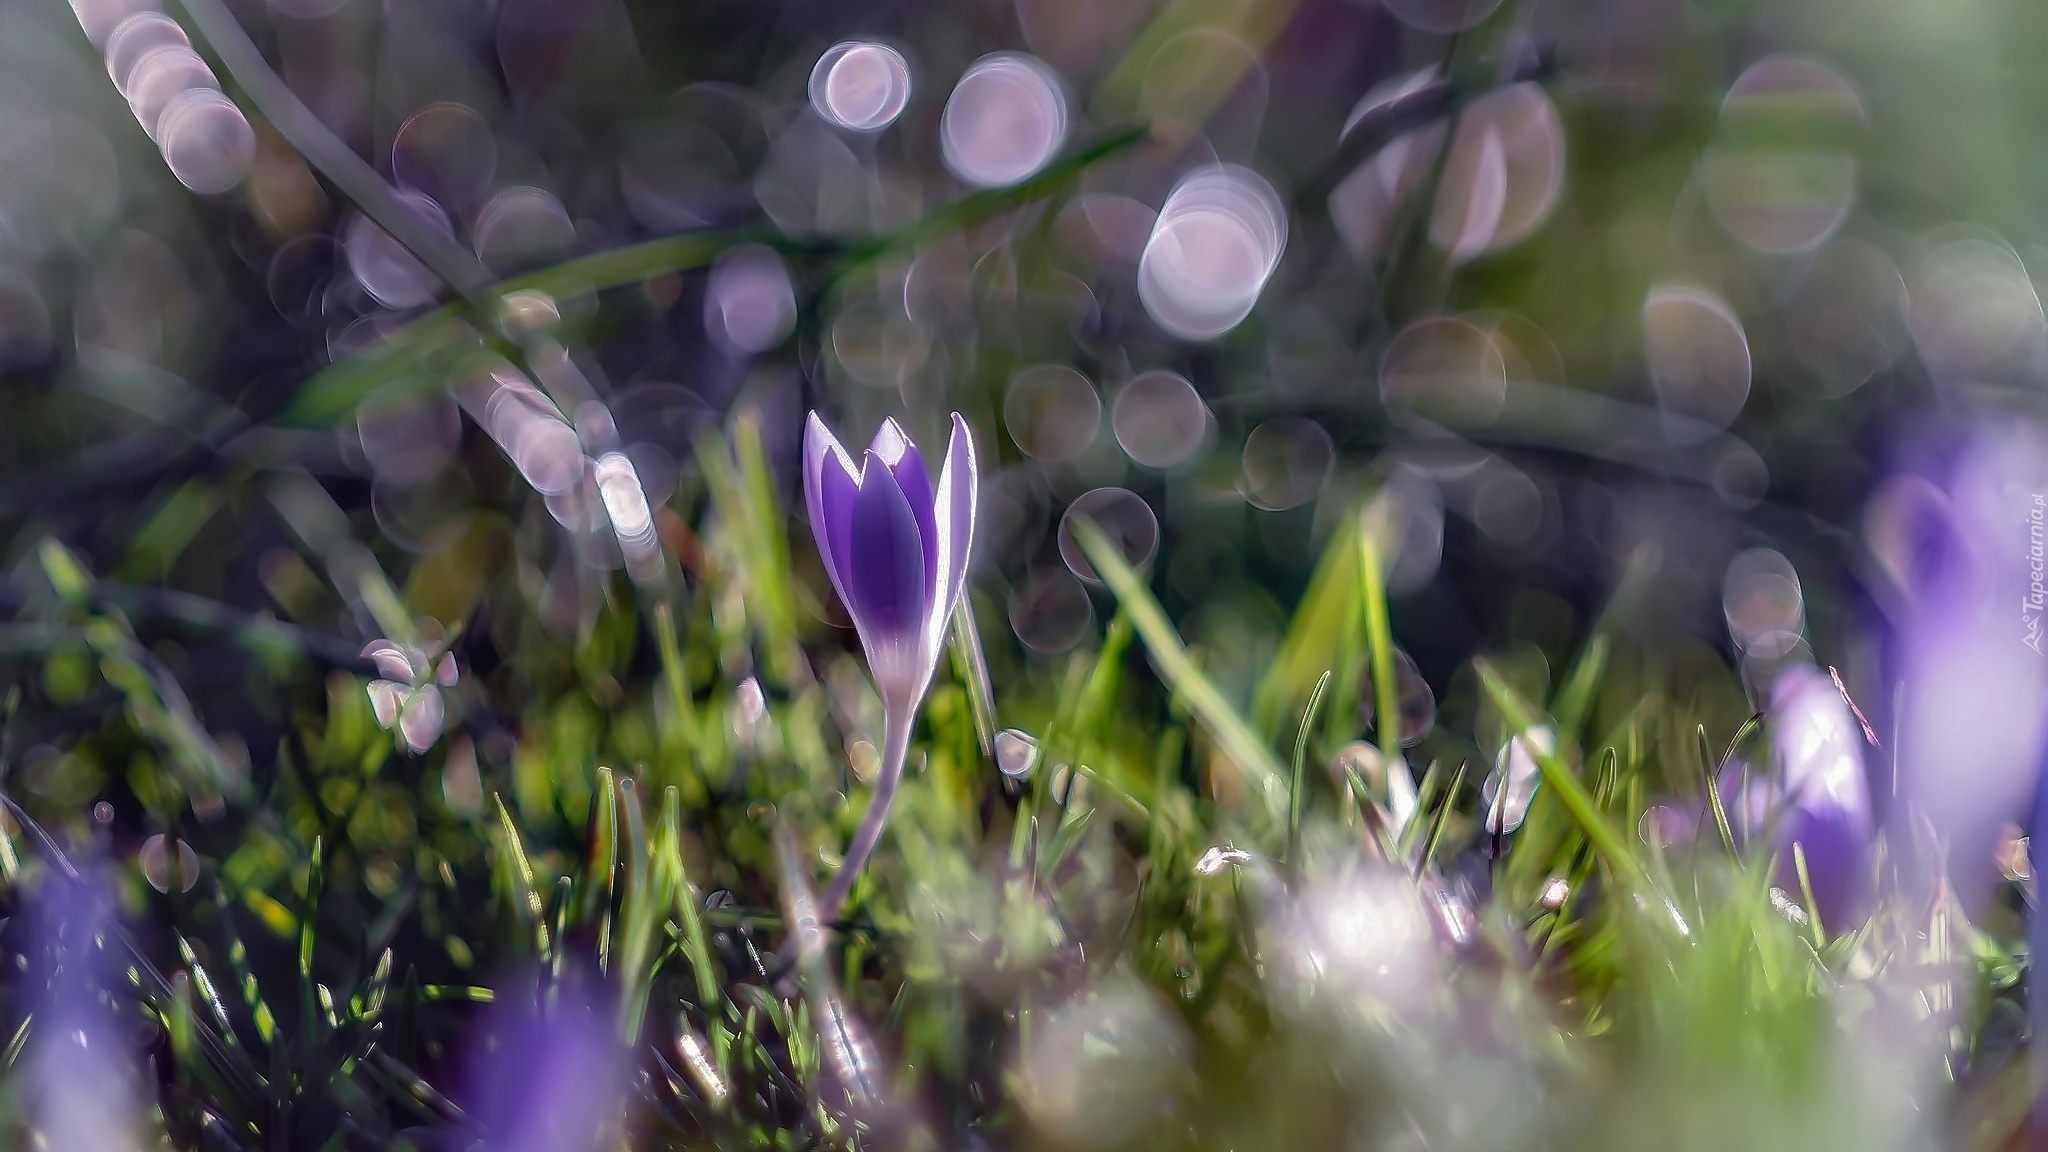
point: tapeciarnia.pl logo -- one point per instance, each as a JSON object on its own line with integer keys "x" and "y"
{"x": 2036, "y": 601}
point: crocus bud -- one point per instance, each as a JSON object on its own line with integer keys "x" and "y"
{"x": 1826, "y": 809}
{"x": 895, "y": 545}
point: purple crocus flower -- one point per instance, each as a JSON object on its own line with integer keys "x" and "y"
{"x": 1826, "y": 808}
{"x": 83, "y": 1087}
{"x": 895, "y": 545}
{"x": 1957, "y": 533}
{"x": 1973, "y": 730}
{"x": 551, "y": 1075}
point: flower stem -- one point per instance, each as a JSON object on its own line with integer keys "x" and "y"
{"x": 895, "y": 747}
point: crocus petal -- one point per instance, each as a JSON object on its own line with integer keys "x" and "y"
{"x": 904, "y": 462}
{"x": 1836, "y": 846}
{"x": 1819, "y": 746}
{"x": 1820, "y": 752}
{"x": 884, "y": 572}
{"x": 1973, "y": 733}
{"x": 555, "y": 1078}
{"x": 953, "y": 512}
{"x": 830, "y": 486}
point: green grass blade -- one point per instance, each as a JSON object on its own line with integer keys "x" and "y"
{"x": 1296, "y": 782}
{"x": 1439, "y": 819}
{"x": 1742, "y": 733}
{"x": 1324, "y": 633}
{"x": 208, "y": 994}
{"x": 565, "y": 898}
{"x": 378, "y": 987}
{"x": 1425, "y": 797}
{"x": 1097, "y": 700}
{"x": 749, "y": 515}
{"x": 641, "y": 911}
{"x": 469, "y": 992}
{"x": 1203, "y": 699}
{"x": 238, "y": 965}
{"x": 601, "y": 885}
{"x": 309, "y": 902}
{"x": 519, "y": 875}
{"x": 696, "y": 944}
{"x": 1566, "y": 786}
{"x": 18, "y": 1042}
{"x": 769, "y": 543}
{"x": 1575, "y": 699}
{"x": 970, "y": 663}
{"x": 1813, "y": 924}
{"x": 1063, "y": 842}
{"x": 1379, "y": 641}
{"x": 1714, "y": 804}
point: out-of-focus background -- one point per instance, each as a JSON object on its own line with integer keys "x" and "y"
{"x": 409, "y": 623}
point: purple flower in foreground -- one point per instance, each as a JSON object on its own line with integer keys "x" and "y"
{"x": 1973, "y": 728}
{"x": 83, "y": 1086}
{"x": 1826, "y": 798}
{"x": 895, "y": 545}
{"x": 550, "y": 1079}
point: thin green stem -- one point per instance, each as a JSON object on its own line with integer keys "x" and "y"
{"x": 895, "y": 748}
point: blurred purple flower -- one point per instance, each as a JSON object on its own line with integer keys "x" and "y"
{"x": 896, "y": 548}
{"x": 1974, "y": 726}
{"x": 83, "y": 1086}
{"x": 553, "y": 1081}
{"x": 1826, "y": 798}
{"x": 1959, "y": 541}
